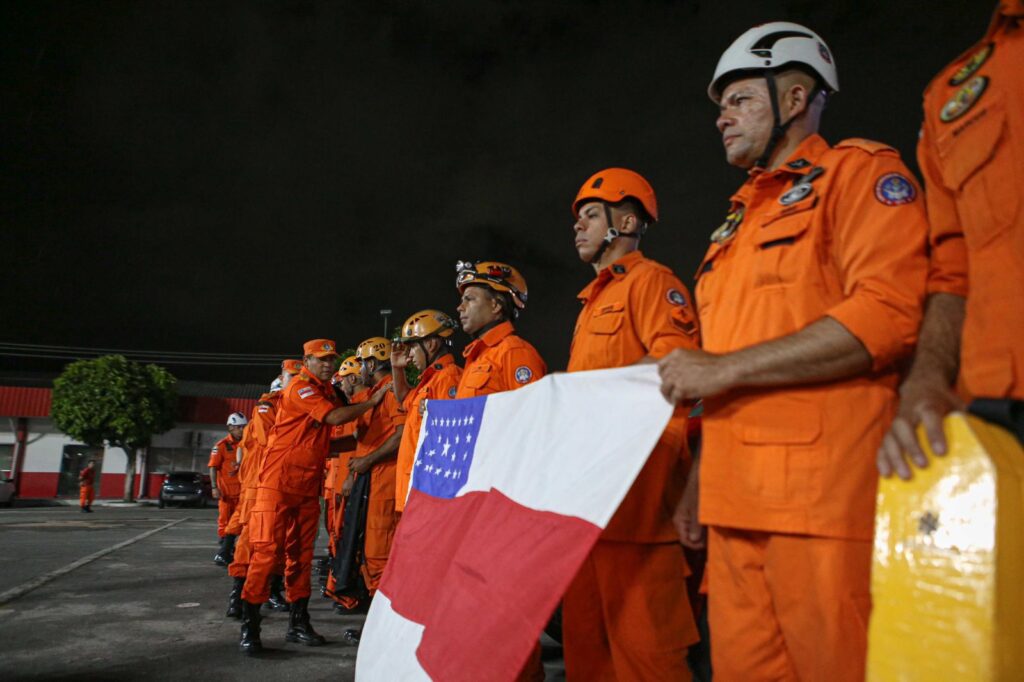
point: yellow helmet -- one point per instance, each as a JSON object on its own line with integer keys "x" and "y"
{"x": 427, "y": 323}
{"x": 349, "y": 365}
{"x": 374, "y": 347}
{"x": 497, "y": 276}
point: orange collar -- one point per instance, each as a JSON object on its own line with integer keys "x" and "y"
{"x": 380, "y": 384}
{"x": 492, "y": 337}
{"x": 617, "y": 270}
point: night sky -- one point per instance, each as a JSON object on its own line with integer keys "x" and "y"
{"x": 240, "y": 177}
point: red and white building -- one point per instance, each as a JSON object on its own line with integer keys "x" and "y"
{"x": 44, "y": 462}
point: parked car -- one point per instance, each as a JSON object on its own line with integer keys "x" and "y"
{"x": 185, "y": 487}
{"x": 6, "y": 492}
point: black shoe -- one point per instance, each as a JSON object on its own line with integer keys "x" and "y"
{"x": 235, "y": 599}
{"x": 352, "y": 636}
{"x": 277, "y": 601}
{"x": 84, "y": 509}
{"x": 250, "y": 643}
{"x": 299, "y": 628}
{"x": 221, "y": 558}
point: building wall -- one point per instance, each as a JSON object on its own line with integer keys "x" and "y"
{"x": 40, "y": 472}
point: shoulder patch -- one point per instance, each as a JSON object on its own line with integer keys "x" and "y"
{"x": 869, "y": 146}
{"x": 523, "y": 374}
{"x": 894, "y": 189}
{"x": 972, "y": 64}
{"x": 452, "y": 391}
{"x": 960, "y": 103}
{"x": 306, "y": 391}
{"x": 215, "y": 450}
{"x": 675, "y": 297}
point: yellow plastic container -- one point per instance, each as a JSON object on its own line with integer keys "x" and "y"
{"x": 947, "y": 580}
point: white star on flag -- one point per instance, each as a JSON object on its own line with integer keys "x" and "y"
{"x": 469, "y": 437}
{"x": 447, "y": 447}
{"x": 456, "y": 439}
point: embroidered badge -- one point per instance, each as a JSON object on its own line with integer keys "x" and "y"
{"x": 972, "y": 65}
{"x": 795, "y": 193}
{"x": 675, "y": 297}
{"x": 452, "y": 391}
{"x": 726, "y": 230}
{"x": 964, "y": 99}
{"x": 798, "y": 164}
{"x": 306, "y": 392}
{"x": 327, "y": 347}
{"x": 523, "y": 374}
{"x": 894, "y": 189}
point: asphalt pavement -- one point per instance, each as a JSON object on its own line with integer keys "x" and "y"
{"x": 132, "y": 592}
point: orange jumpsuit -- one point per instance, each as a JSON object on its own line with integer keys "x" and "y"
{"x": 374, "y": 428}
{"x": 626, "y": 615}
{"x": 86, "y": 489}
{"x": 788, "y": 479}
{"x": 254, "y": 443}
{"x": 222, "y": 458}
{"x": 440, "y": 381}
{"x": 287, "y": 506}
{"x": 499, "y": 360}
{"x": 971, "y": 154}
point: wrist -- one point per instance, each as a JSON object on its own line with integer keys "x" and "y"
{"x": 732, "y": 372}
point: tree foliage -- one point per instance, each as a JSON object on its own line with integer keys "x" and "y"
{"x": 115, "y": 401}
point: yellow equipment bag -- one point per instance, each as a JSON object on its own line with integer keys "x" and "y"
{"x": 947, "y": 580}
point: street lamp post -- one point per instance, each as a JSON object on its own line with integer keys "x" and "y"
{"x": 385, "y": 313}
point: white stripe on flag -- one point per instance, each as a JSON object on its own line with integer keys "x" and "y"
{"x": 387, "y": 646}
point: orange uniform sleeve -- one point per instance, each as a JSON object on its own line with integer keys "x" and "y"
{"x": 879, "y": 249}
{"x": 307, "y": 398}
{"x": 522, "y": 365}
{"x": 663, "y": 314}
{"x": 216, "y": 457}
{"x": 394, "y": 409}
{"x": 947, "y": 267}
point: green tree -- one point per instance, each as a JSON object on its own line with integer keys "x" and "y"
{"x": 115, "y": 401}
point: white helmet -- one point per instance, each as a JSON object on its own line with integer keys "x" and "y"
{"x": 237, "y": 419}
{"x": 773, "y": 46}
{"x": 276, "y": 385}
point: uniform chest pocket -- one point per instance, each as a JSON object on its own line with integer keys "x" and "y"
{"x": 607, "y": 319}
{"x": 783, "y": 252}
{"x": 978, "y": 165}
{"x": 479, "y": 376}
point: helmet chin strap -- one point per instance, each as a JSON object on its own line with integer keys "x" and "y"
{"x": 778, "y": 127}
{"x": 611, "y": 235}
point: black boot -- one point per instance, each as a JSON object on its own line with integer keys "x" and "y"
{"x": 250, "y": 643}
{"x": 221, "y": 558}
{"x": 299, "y": 628}
{"x": 229, "y": 547}
{"x": 277, "y": 601}
{"x": 235, "y": 599}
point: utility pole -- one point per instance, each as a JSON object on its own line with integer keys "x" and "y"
{"x": 385, "y": 313}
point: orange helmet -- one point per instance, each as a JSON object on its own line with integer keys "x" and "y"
{"x": 292, "y": 367}
{"x": 349, "y": 365}
{"x": 613, "y": 185}
{"x": 427, "y": 323}
{"x": 374, "y": 347}
{"x": 497, "y": 276}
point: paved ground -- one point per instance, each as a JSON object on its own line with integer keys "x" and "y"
{"x": 153, "y": 608}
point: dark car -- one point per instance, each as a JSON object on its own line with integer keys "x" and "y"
{"x": 185, "y": 487}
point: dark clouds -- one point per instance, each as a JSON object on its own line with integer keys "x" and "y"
{"x": 239, "y": 177}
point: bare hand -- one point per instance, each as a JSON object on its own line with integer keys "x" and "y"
{"x": 359, "y": 465}
{"x": 215, "y": 493}
{"x": 924, "y": 403}
{"x": 399, "y": 356}
{"x": 346, "y": 487}
{"x": 378, "y": 396}
{"x": 692, "y": 374}
{"x": 691, "y": 533}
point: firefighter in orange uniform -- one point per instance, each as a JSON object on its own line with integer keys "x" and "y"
{"x": 497, "y": 359}
{"x": 349, "y": 379}
{"x": 226, "y": 484}
{"x": 426, "y": 343}
{"x": 809, "y": 294}
{"x": 971, "y": 153}
{"x": 87, "y": 486}
{"x": 626, "y": 615}
{"x": 287, "y": 505}
{"x": 251, "y": 451}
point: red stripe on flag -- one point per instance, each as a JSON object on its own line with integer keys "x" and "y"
{"x": 482, "y": 574}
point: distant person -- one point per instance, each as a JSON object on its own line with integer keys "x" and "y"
{"x": 226, "y": 484}
{"x": 971, "y": 154}
{"x": 86, "y": 486}
{"x": 626, "y": 614}
{"x": 809, "y": 296}
{"x": 287, "y": 507}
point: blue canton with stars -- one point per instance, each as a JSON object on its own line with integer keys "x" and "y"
{"x": 449, "y": 440}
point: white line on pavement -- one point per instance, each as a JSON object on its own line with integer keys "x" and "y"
{"x": 24, "y": 588}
